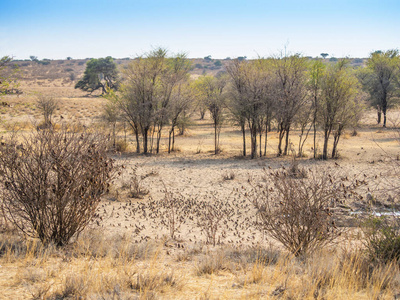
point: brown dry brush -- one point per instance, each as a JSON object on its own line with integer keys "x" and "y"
{"x": 298, "y": 211}
{"x": 210, "y": 217}
{"x": 172, "y": 210}
{"x": 51, "y": 183}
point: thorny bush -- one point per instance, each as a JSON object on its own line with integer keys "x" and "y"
{"x": 51, "y": 183}
{"x": 298, "y": 211}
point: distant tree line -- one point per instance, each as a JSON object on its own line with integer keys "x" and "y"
{"x": 284, "y": 92}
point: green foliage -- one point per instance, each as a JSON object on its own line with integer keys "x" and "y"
{"x": 99, "y": 74}
{"x": 8, "y": 79}
{"x": 339, "y": 106}
{"x": 380, "y": 79}
{"x": 324, "y": 55}
{"x": 218, "y": 63}
{"x": 382, "y": 239}
{"x": 333, "y": 59}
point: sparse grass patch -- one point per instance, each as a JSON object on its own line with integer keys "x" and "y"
{"x": 211, "y": 263}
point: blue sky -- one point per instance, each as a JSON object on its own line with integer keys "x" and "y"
{"x": 122, "y": 28}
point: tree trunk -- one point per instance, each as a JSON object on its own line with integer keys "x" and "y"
{"x": 379, "y": 112}
{"x": 114, "y": 142}
{"x": 202, "y": 114}
{"x": 137, "y": 142}
{"x": 253, "y": 133}
{"x": 286, "y": 141}
{"x": 244, "y": 138}
{"x": 315, "y": 138}
{"x": 336, "y": 142}
{"x": 281, "y": 135}
{"x": 169, "y": 139}
{"x": 145, "y": 140}
{"x": 158, "y": 140}
{"x": 173, "y": 140}
{"x": 384, "y": 108}
{"x": 266, "y": 138}
{"x": 215, "y": 140}
{"x": 326, "y": 139}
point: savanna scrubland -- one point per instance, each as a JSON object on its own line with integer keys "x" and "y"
{"x": 186, "y": 214}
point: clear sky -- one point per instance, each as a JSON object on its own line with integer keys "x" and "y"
{"x": 127, "y": 28}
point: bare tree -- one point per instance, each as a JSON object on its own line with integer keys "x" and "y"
{"x": 290, "y": 93}
{"x": 111, "y": 112}
{"x": 51, "y": 184}
{"x": 317, "y": 70}
{"x": 47, "y": 105}
{"x": 181, "y": 101}
{"x": 251, "y": 98}
{"x": 150, "y": 81}
{"x": 211, "y": 89}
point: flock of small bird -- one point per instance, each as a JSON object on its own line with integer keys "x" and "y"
{"x": 213, "y": 218}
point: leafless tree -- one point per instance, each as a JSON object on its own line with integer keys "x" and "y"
{"x": 317, "y": 70}
{"x": 111, "y": 112}
{"x": 211, "y": 90}
{"x": 181, "y": 102}
{"x": 150, "y": 81}
{"x": 290, "y": 93}
{"x": 251, "y": 98}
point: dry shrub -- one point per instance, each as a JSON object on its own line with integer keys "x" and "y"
{"x": 153, "y": 281}
{"x": 296, "y": 211}
{"x": 95, "y": 244}
{"x": 52, "y": 182}
{"x": 47, "y": 105}
{"x": 210, "y": 216}
{"x": 228, "y": 176}
{"x": 75, "y": 286}
{"x": 121, "y": 146}
{"x": 135, "y": 184}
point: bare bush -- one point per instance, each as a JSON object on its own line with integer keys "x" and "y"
{"x": 136, "y": 188}
{"x": 52, "y": 182}
{"x": 297, "y": 211}
{"x": 210, "y": 216}
{"x": 47, "y": 105}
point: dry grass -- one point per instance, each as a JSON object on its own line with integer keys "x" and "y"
{"x": 119, "y": 270}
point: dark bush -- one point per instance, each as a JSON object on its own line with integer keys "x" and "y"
{"x": 382, "y": 238}
{"x": 51, "y": 183}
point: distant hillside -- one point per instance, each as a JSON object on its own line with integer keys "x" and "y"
{"x": 66, "y": 73}
{"x": 72, "y": 70}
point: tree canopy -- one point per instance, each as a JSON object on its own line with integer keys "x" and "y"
{"x": 100, "y": 73}
{"x": 380, "y": 79}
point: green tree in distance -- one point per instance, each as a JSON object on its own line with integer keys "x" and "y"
{"x": 380, "y": 80}
{"x": 100, "y": 73}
